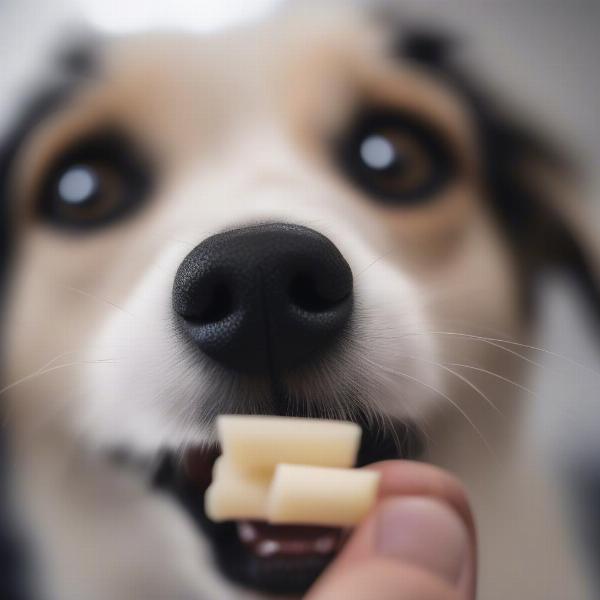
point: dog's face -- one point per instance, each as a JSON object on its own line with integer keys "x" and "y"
{"x": 285, "y": 220}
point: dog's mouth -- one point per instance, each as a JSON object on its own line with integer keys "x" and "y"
{"x": 270, "y": 558}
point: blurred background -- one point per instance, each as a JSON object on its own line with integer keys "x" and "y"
{"x": 543, "y": 53}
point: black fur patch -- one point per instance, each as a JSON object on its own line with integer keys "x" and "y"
{"x": 15, "y": 557}
{"x": 539, "y": 237}
{"x": 13, "y": 552}
{"x": 34, "y": 113}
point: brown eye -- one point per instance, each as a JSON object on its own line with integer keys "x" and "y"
{"x": 95, "y": 182}
{"x": 397, "y": 158}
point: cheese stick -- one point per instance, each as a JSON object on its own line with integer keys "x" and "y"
{"x": 302, "y": 495}
{"x": 236, "y": 495}
{"x": 225, "y": 469}
{"x": 259, "y": 443}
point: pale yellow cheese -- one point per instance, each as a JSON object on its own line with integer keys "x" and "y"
{"x": 289, "y": 471}
{"x": 305, "y": 495}
{"x": 225, "y": 469}
{"x": 259, "y": 443}
{"x": 236, "y": 495}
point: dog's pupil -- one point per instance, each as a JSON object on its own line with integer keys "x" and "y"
{"x": 78, "y": 185}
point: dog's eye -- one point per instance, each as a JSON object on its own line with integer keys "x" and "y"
{"x": 94, "y": 183}
{"x": 398, "y": 158}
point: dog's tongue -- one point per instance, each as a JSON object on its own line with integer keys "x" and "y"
{"x": 290, "y": 540}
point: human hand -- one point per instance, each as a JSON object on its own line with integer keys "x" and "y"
{"x": 418, "y": 542}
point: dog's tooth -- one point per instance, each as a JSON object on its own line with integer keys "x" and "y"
{"x": 247, "y": 532}
{"x": 325, "y": 544}
{"x": 267, "y": 548}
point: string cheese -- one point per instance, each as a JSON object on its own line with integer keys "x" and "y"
{"x": 302, "y": 495}
{"x": 258, "y": 443}
{"x": 289, "y": 471}
{"x": 235, "y": 494}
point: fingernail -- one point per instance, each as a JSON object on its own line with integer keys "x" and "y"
{"x": 423, "y": 532}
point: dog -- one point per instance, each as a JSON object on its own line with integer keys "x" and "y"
{"x": 319, "y": 215}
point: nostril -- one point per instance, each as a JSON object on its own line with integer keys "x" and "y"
{"x": 305, "y": 293}
{"x": 219, "y": 305}
{"x": 213, "y": 303}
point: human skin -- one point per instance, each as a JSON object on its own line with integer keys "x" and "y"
{"x": 417, "y": 543}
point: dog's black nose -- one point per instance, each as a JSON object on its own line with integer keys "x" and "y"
{"x": 265, "y": 298}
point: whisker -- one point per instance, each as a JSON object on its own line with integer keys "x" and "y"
{"x": 440, "y": 393}
{"x": 39, "y": 373}
{"x": 53, "y": 360}
{"x": 458, "y": 376}
{"x": 386, "y": 254}
{"x": 497, "y": 343}
{"x": 482, "y": 370}
{"x": 489, "y": 341}
{"x": 67, "y": 353}
{"x": 473, "y": 325}
{"x": 387, "y": 418}
{"x": 95, "y": 297}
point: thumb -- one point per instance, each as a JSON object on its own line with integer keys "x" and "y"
{"x": 409, "y": 548}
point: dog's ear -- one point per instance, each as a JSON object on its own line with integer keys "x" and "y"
{"x": 527, "y": 178}
{"x": 72, "y": 65}
{"x": 533, "y": 191}
{"x": 427, "y": 45}
{"x": 561, "y": 225}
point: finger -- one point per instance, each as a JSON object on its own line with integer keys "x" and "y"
{"x": 407, "y": 479}
{"x": 381, "y": 579}
{"x": 410, "y": 478}
{"x": 418, "y": 546}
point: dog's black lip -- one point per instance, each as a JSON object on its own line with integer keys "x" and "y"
{"x": 275, "y": 574}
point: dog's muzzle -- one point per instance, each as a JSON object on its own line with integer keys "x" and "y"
{"x": 269, "y": 304}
